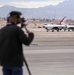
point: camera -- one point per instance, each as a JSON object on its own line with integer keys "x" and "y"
{"x": 23, "y": 25}
{"x": 22, "y": 21}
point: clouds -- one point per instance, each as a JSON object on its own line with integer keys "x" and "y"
{"x": 27, "y": 0}
{"x": 30, "y": 3}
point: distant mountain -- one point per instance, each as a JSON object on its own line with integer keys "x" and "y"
{"x": 65, "y": 8}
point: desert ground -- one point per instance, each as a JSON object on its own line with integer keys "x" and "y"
{"x": 50, "y": 53}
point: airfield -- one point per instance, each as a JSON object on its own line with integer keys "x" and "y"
{"x": 50, "y": 53}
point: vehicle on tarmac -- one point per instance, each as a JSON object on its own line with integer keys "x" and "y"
{"x": 53, "y": 27}
{"x": 56, "y": 27}
{"x": 70, "y": 27}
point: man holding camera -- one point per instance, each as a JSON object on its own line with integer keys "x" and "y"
{"x": 11, "y": 39}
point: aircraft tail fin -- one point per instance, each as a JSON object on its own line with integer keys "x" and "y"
{"x": 60, "y": 23}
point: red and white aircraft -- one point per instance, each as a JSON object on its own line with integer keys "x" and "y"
{"x": 53, "y": 27}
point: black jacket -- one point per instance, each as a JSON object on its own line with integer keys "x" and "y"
{"x": 11, "y": 40}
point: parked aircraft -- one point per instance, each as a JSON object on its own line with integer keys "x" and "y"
{"x": 53, "y": 27}
{"x": 69, "y": 27}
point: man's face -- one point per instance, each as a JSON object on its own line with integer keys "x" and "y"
{"x": 15, "y": 19}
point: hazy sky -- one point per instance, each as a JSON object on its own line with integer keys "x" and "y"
{"x": 29, "y": 3}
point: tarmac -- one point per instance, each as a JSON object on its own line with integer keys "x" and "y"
{"x": 50, "y": 53}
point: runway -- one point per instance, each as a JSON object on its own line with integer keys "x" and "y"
{"x": 50, "y": 62}
{"x": 51, "y": 53}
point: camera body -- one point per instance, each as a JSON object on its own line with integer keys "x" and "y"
{"x": 22, "y": 22}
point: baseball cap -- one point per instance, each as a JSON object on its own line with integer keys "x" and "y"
{"x": 12, "y": 13}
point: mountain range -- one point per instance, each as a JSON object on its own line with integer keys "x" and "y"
{"x": 65, "y": 8}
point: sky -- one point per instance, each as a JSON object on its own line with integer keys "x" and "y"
{"x": 29, "y": 3}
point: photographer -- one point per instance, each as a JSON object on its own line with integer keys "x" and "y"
{"x": 11, "y": 39}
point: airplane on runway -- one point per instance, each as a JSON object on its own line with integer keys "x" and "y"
{"x": 53, "y": 27}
